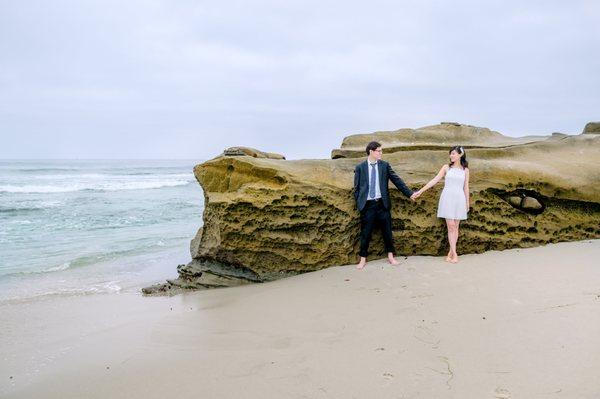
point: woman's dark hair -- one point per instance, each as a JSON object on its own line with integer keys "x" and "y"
{"x": 463, "y": 156}
{"x": 373, "y": 145}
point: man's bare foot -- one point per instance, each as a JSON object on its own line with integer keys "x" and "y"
{"x": 362, "y": 263}
{"x": 392, "y": 260}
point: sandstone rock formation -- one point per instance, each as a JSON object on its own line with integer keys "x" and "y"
{"x": 442, "y": 136}
{"x": 592, "y": 127}
{"x": 251, "y": 152}
{"x": 266, "y": 218}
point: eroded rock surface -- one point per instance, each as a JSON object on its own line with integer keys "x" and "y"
{"x": 442, "y": 136}
{"x": 265, "y": 218}
{"x": 251, "y": 152}
{"x": 592, "y": 128}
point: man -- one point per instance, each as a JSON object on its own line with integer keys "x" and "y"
{"x": 373, "y": 200}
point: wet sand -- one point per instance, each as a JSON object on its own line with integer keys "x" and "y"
{"x": 510, "y": 324}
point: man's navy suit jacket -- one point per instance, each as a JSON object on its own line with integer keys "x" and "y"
{"x": 361, "y": 183}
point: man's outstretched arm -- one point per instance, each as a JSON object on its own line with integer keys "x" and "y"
{"x": 398, "y": 182}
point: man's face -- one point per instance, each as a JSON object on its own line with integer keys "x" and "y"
{"x": 376, "y": 153}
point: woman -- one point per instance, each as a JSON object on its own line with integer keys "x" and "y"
{"x": 454, "y": 200}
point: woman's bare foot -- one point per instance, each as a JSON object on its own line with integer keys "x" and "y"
{"x": 449, "y": 256}
{"x": 454, "y": 259}
{"x": 362, "y": 263}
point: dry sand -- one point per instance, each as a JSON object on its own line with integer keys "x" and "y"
{"x": 511, "y": 324}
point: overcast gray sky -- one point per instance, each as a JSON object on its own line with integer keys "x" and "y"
{"x": 186, "y": 79}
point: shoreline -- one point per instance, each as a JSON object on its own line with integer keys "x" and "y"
{"x": 125, "y": 274}
{"x": 514, "y": 323}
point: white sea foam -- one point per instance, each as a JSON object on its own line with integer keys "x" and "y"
{"x": 110, "y": 176}
{"x": 98, "y": 288}
{"x": 78, "y": 240}
{"x": 25, "y": 206}
{"x": 58, "y": 268}
{"x": 96, "y": 186}
{"x": 21, "y": 221}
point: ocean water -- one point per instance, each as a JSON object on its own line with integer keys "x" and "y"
{"x": 89, "y": 226}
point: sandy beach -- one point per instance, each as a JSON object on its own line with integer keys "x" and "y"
{"x": 511, "y": 324}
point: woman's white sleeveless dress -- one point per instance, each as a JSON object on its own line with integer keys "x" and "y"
{"x": 453, "y": 203}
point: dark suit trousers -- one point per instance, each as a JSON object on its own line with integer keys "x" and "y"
{"x": 374, "y": 214}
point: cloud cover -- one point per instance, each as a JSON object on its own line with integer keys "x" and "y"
{"x": 185, "y": 79}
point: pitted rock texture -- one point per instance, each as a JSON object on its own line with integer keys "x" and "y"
{"x": 265, "y": 219}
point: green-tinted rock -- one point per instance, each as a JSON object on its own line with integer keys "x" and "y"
{"x": 265, "y": 218}
{"x": 592, "y": 128}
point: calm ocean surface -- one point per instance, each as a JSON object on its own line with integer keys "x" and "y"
{"x": 81, "y": 227}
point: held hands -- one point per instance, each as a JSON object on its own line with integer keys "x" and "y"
{"x": 416, "y": 195}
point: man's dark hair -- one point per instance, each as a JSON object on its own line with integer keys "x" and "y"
{"x": 373, "y": 145}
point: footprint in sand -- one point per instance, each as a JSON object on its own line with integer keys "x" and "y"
{"x": 426, "y": 336}
{"x": 501, "y": 393}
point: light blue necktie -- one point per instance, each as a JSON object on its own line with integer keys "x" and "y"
{"x": 372, "y": 181}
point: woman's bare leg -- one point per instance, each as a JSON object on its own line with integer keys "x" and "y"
{"x": 451, "y": 228}
{"x": 455, "y": 238}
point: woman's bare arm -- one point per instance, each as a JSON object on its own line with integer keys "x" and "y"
{"x": 466, "y": 188}
{"x": 433, "y": 181}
